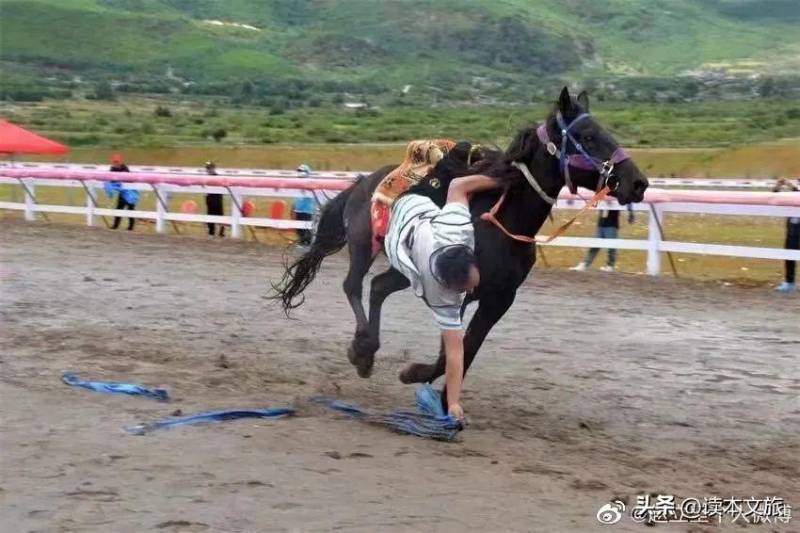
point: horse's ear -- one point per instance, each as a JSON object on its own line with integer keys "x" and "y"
{"x": 583, "y": 99}
{"x": 565, "y": 102}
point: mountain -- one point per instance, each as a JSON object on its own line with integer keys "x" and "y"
{"x": 439, "y": 43}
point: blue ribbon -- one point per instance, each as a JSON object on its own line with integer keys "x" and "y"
{"x": 209, "y": 416}
{"x": 430, "y": 422}
{"x": 110, "y": 387}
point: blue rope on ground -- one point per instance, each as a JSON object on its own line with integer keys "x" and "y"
{"x": 110, "y": 387}
{"x": 427, "y": 423}
{"x": 210, "y": 416}
{"x": 430, "y": 421}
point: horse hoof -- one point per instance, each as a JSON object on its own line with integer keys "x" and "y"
{"x": 365, "y": 370}
{"x": 362, "y": 363}
{"x": 414, "y": 373}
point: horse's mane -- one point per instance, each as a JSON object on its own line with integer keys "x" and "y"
{"x": 498, "y": 163}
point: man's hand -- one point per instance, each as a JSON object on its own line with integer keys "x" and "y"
{"x": 456, "y": 411}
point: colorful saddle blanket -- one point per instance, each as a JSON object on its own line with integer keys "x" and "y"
{"x": 421, "y": 156}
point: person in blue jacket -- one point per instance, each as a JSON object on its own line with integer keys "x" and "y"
{"x": 127, "y": 198}
{"x": 304, "y": 209}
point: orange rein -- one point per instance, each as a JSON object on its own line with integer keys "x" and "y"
{"x": 491, "y": 217}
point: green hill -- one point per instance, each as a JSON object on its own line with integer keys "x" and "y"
{"x": 445, "y": 44}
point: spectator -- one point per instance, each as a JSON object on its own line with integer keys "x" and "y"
{"x": 214, "y": 203}
{"x": 304, "y": 209}
{"x": 789, "y": 284}
{"x": 127, "y": 198}
{"x": 607, "y": 228}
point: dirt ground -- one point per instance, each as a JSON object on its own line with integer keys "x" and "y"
{"x": 594, "y": 386}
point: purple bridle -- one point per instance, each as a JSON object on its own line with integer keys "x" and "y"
{"x": 581, "y": 159}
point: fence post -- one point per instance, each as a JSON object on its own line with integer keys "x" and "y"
{"x": 654, "y": 241}
{"x": 160, "y": 211}
{"x": 30, "y": 201}
{"x": 236, "y": 200}
{"x": 89, "y": 187}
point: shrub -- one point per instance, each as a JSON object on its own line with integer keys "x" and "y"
{"x": 219, "y": 134}
{"x": 103, "y": 91}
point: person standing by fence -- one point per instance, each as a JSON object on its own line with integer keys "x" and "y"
{"x": 607, "y": 228}
{"x": 304, "y": 209}
{"x": 127, "y": 198}
{"x": 789, "y": 284}
{"x": 214, "y": 205}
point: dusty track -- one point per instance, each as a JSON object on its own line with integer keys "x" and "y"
{"x": 593, "y": 386}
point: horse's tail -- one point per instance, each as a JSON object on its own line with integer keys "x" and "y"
{"x": 331, "y": 236}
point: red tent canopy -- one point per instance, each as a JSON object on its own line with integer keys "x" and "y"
{"x": 16, "y": 140}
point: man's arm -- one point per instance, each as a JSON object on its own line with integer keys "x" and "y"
{"x": 461, "y": 188}
{"x": 454, "y": 369}
{"x": 448, "y": 317}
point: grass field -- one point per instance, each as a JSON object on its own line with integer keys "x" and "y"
{"x": 140, "y": 122}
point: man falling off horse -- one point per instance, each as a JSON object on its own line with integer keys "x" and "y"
{"x": 434, "y": 248}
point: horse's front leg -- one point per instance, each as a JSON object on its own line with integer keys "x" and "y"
{"x": 490, "y": 310}
{"x": 366, "y": 344}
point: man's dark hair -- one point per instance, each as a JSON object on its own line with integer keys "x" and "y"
{"x": 452, "y": 265}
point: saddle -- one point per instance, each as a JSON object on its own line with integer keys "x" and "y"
{"x": 421, "y": 156}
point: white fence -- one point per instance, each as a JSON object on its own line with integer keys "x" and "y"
{"x": 657, "y": 204}
{"x": 704, "y": 183}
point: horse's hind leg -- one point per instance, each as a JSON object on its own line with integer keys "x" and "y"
{"x": 367, "y": 341}
{"x": 360, "y": 261}
{"x": 381, "y": 287}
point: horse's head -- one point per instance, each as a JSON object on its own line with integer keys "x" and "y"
{"x": 588, "y": 155}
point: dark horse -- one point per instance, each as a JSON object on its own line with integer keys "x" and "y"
{"x": 571, "y": 148}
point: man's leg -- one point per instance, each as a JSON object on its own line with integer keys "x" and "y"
{"x": 611, "y": 233}
{"x": 120, "y": 205}
{"x": 211, "y": 228}
{"x": 592, "y": 253}
{"x": 304, "y": 235}
{"x": 219, "y": 210}
{"x": 792, "y": 243}
{"x": 131, "y": 220}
